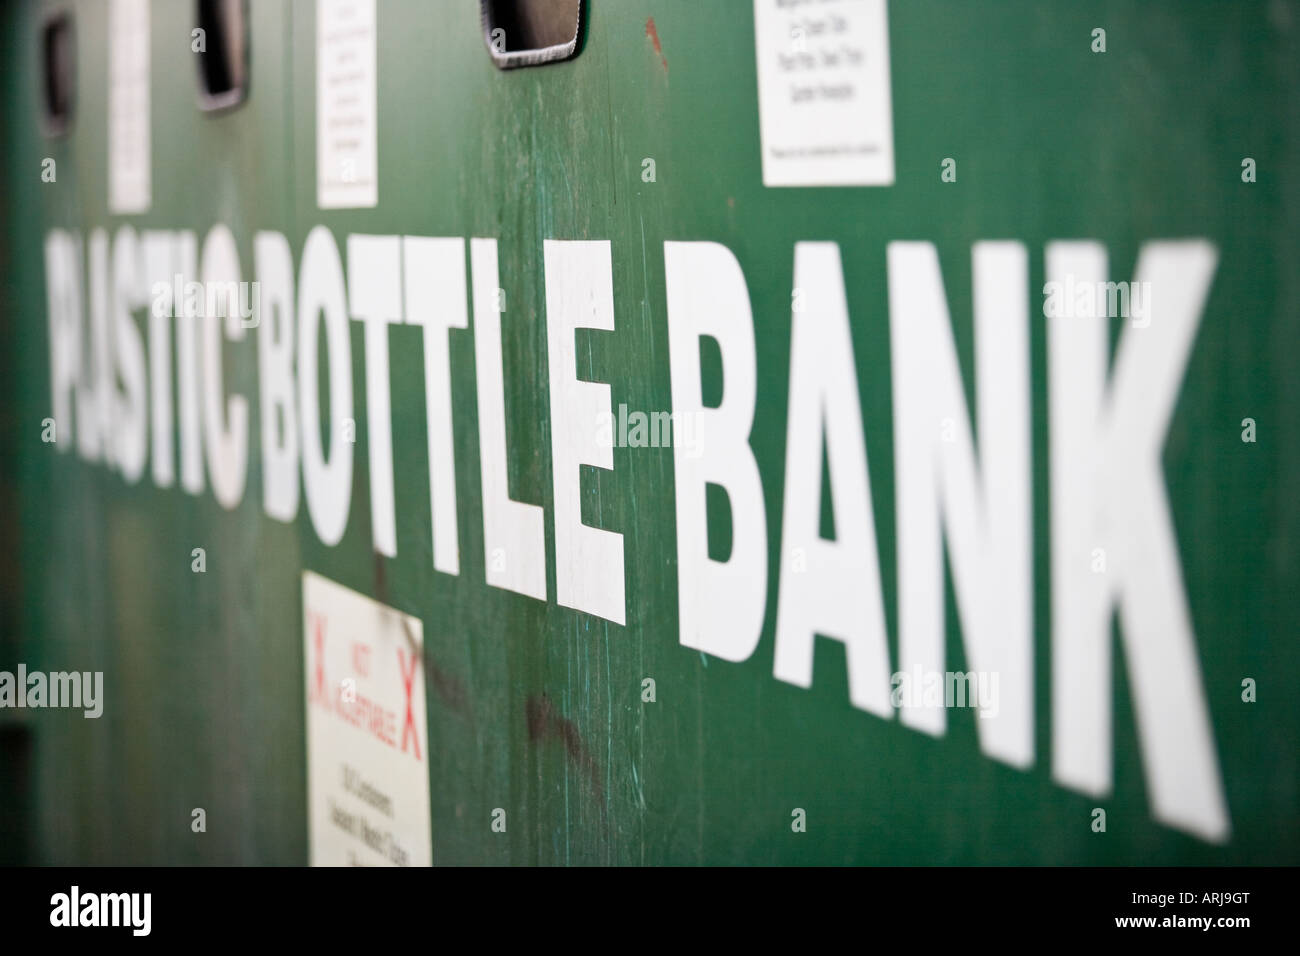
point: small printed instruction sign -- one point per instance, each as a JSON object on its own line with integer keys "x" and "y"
{"x": 347, "y": 154}
{"x": 129, "y": 156}
{"x": 825, "y": 113}
{"x": 367, "y": 730}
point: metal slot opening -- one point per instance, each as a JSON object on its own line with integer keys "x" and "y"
{"x": 531, "y": 32}
{"x": 57, "y": 74}
{"x": 220, "y": 41}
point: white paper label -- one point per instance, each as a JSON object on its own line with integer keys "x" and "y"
{"x": 367, "y": 730}
{"x": 823, "y": 92}
{"x": 347, "y": 169}
{"x": 128, "y": 106}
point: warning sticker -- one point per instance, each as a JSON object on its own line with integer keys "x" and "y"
{"x": 129, "y": 157}
{"x": 367, "y": 730}
{"x": 347, "y": 170}
{"x": 824, "y": 110}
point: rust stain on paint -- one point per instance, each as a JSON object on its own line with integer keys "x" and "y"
{"x": 545, "y": 722}
{"x": 653, "y": 33}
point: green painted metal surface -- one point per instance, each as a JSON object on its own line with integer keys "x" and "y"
{"x": 536, "y": 707}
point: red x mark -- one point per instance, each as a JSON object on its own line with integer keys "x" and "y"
{"x": 408, "y": 681}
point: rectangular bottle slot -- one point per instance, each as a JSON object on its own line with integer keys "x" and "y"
{"x": 220, "y": 41}
{"x": 531, "y": 32}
